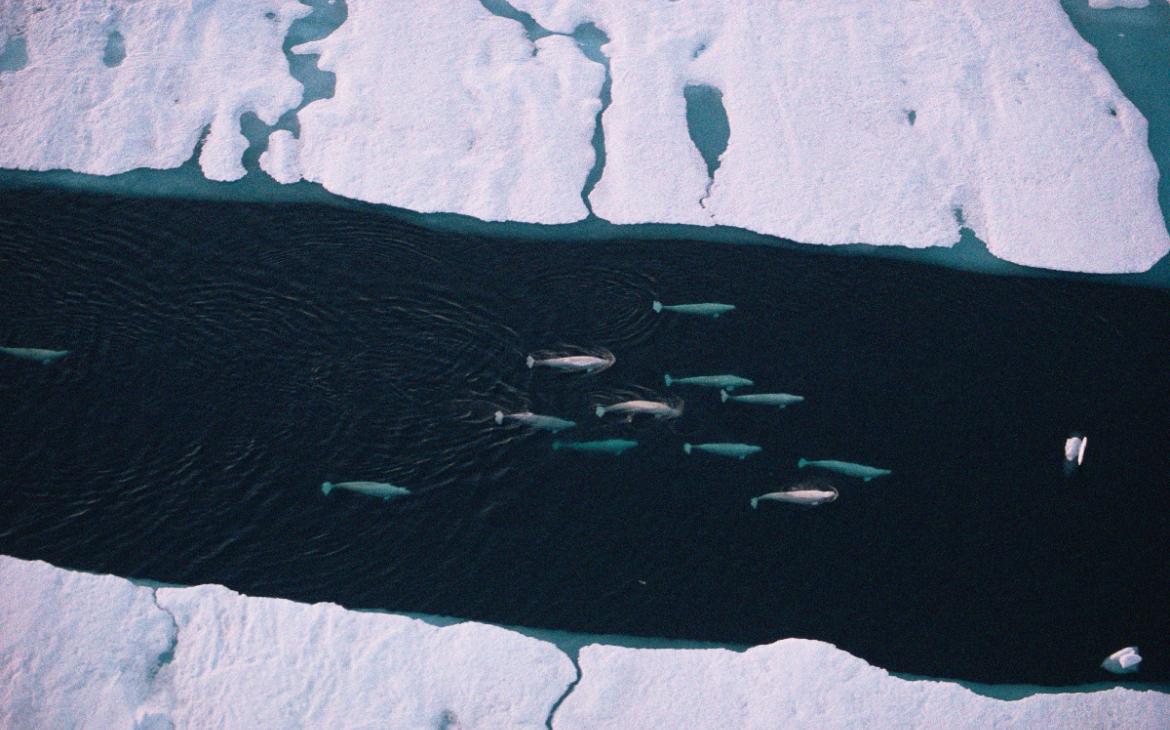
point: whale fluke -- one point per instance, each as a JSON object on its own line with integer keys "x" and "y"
{"x": 723, "y": 395}
{"x": 556, "y": 445}
{"x": 326, "y": 488}
{"x": 687, "y": 448}
{"x": 531, "y": 361}
{"x": 600, "y": 411}
{"x": 755, "y": 501}
{"x": 656, "y": 306}
{"x": 667, "y": 379}
{"x": 499, "y": 417}
{"x": 802, "y": 463}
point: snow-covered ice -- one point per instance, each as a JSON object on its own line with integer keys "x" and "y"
{"x": 186, "y": 65}
{"x": 798, "y": 683}
{"x": 90, "y": 651}
{"x": 878, "y": 123}
{"x": 446, "y": 107}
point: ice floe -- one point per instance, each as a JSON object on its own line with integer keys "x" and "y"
{"x": 446, "y": 107}
{"x": 113, "y": 85}
{"x": 885, "y": 123}
{"x": 91, "y": 651}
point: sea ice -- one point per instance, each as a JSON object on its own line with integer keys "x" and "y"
{"x": 880, "y": 123}
{"x": 1105, "y": 4}
{"x": 446, "y": 107}
{"x": 798, "y": 683}
{"x": 113, "y": 85}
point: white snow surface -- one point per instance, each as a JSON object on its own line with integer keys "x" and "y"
{"x": 1017, "y": 124}
{"x": 90, "y": 651}
{"x": 446, "y": 107}
{"x": 187, "y": 65}
{"x": 797, "y": 683}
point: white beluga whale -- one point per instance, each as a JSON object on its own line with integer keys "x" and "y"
{"x": 725, "y": 382}
{"x": 1123, "y": 661}
{"x": 805, "y": 497}
{"x": 535, "y": 420}
{"x": 780, "y": 400}
{"x": 616, "y": 447}
{"x": 1074, "y": 452}
{"x": 35, "y": 354}
{"x": 592, "y": 363}
{"x": 735, "y": 451}
{"x": 849, "y": 469}
{"x": 373, "y": 489}
{"x": 631, "y": 408}
{"x": 703, "y": 309}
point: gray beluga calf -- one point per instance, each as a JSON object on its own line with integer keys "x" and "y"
{"x": 780, "y": 400}
{"x": 535, "y": 420}
{"x": 725, "y": 382}
{"x": 631, "y": 408}
{"x": 807, "y": 497}
{"x": 574, "y": 363}
{"x": 616, "y": 447}
{"x": 849, "y": 469}
{"x": 1074, "y": 452}
{"x": 35, "y": 354}
{"x": 373, "y": 489}
{"x": 703, "y": 309}
{"x": 1123, "y": 661}
{"x": 735, "y": 451}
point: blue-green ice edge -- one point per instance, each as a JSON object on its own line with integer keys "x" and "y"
{"x": 1133, "y": 44}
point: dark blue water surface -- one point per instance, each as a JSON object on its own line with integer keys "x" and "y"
{"x": 226, "y": 359}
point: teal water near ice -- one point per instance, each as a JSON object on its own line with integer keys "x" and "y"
{"x": 1133, "y": 44}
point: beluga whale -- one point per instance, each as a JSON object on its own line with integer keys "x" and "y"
{"x": 1122, "y": 661}
{"x": 1074, "y": 452}
{"x": 780, "y": 400}
{"x": 631, "y": 408}
{"x": 373, "y": 489}
{"x": 615, "y": 447}
{"x": 734, "y": 451}
{"x": 535, "y": 420}
{"x": 590, "y": 363}
{"x": 849, "y": 469}
{"x": 35, "y": 354}
{"x": 724, "y": 382}
{"x": 702, "y": 309}
{"x": 805, "y": 497}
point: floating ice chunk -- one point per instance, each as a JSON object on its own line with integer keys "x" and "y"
{"x": 282, "y": 160}
{"x": 1122, "y": 661}
{"x": 1074, "y": 450}
{"x": 446, "y": 107}
{"x": 797, "y": 683}
{"x": 875, "y": 122}
{"x": 113, "y": 85}
{"x": 76, "y": 650}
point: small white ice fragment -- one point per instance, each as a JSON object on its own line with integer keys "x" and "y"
{"x": 1123, "y": 661}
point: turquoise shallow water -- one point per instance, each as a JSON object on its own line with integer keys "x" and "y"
{"x": 1134, "y": 45}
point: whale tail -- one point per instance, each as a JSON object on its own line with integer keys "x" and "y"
{"x": 723, "y": 396}
{"x": 656, "y": 306}
{"x": 802, "y": 463}
{"x": 499, "y": 417}
{"x": 687, "y": 448}
{"x": 326, "y": 488}
{"x": 600, "y": 411}
{"x": 530, "y": 361}
{"x": 667, "y": 379}
{"x": 755, "y": 501}
{"x": 556, "y": 446}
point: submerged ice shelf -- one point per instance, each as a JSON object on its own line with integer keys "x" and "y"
{"x": 84, "y": 650}
{"x": 890, "y": 126}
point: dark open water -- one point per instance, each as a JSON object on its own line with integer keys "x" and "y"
{"x": 229, "y": 358}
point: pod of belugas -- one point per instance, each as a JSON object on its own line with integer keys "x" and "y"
{"x": 735, "y": 451}
{"x": 574, "y": 363}
{"x": 373, "y": 489}
{"x": 631, "y": 408}
{"x": 802, "y": 497}
{"x": 535, "y": 420}
{"x": 780, "y": 400}
{"x": 608, "y": 446}
{"x": 35, "y": 354}
{"x": 726, "y": 382}
{"x": 849, "y": 469}
{"x": 703, "y": 309}
{"x": 1123, "y": 661}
